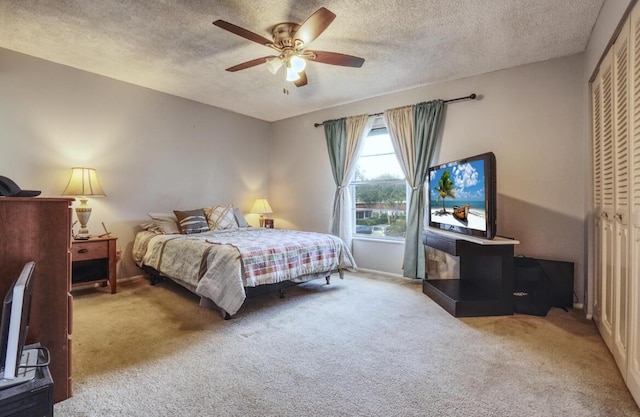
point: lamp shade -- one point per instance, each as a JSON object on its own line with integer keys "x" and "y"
{"x": 261, "y": 206}
{"x": 297, "y": 64}
{"x": 273, "y": 64}
{"x": 84, "y": 182}
{"x": 292, "y": 75}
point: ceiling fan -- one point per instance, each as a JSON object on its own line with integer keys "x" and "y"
{"x": 290, "y": 41}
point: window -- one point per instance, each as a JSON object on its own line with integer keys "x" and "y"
{"x": 379, "y": 189}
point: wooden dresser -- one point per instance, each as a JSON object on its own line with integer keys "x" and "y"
{"x": 39, "y": 229}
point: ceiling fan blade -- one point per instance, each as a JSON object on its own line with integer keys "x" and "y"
{"x": 237, "y": 30}
{"x": 334, "y": 58}
{"x": 302, "y": 81}
{"x": 250, "y": 64}
{"x": 314, "y": 26}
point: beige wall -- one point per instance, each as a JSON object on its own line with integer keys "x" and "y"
{"x": 531, "y": 117}
{"x": 152, "y": 151}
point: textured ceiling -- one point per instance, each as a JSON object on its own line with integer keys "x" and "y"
{"x": 172, "y": 46}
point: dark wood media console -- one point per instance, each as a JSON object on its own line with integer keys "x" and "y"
{"x": 485, "y": 287}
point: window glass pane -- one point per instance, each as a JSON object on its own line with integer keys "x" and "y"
{"x": 379, "y": 189}
{"x": 378, "y": 144}
{"x": 378, "y": 160}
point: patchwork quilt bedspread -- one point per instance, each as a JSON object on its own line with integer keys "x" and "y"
{"x": 218, "y": 265}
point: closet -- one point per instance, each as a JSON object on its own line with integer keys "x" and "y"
{"x": 615, "y": 103}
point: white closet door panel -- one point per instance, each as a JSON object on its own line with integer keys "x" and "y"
{"x": 634, "y": 122}
{"x": 621, "y": 294}
{"x": 607, "y": 283}
{"x": 607, "y": 267}
{"x": 633, "y": 352}
{"x": 607, "y": 156}
{"x": 621, "y": 124}
{"x": 621, "y": 129}
{"x": 596, "y": 119}
{"x": 597, "y": 142}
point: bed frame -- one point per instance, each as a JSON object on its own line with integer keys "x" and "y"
{"x": 156, "y": 277}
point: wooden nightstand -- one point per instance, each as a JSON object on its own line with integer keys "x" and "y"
{"x": 94, "y": 260}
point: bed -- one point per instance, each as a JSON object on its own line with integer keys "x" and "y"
{"x": 221, "y": 265}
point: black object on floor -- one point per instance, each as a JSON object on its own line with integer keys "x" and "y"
{"x": 540, "y": 284}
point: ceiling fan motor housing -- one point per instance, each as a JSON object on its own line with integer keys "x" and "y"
{"x": 283, "y": 34}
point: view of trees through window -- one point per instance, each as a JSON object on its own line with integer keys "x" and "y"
{"x": 379, "y": 189}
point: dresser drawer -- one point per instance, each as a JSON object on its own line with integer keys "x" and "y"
{"x": 85, "y": 251}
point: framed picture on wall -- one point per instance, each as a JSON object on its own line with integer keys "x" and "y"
{"x": 268, "y": 223}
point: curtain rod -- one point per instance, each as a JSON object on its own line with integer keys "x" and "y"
{"x": 469, "y": 97}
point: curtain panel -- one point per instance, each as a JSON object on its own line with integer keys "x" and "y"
{"x": 414, "y": 132}
{"x": 344, "y": 139}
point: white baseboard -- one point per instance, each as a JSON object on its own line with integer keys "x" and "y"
{"x": 373, "y": 271}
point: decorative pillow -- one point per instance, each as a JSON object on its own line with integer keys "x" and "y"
{"x": 242, "y": 222}
{"x": 166, "y": 223}
{"x": 192, "y": 221}
{"x": 151, "y": 227}
{"x": 220, "y": 217}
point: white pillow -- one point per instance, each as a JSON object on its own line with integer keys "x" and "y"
{"x": 242, "y": 222}
{"x": 166, "y": 223}
{"x": 151, "y": 227}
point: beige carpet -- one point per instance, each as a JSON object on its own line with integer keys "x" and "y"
{"x": 363, "y": 346}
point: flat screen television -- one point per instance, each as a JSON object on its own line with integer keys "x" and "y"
{"x": 14, "y": 324}
{"x": 462, "y": 196}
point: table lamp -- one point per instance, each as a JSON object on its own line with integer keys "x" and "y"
{"x": 82, "y": 184}
{"x": 261, "y": 207}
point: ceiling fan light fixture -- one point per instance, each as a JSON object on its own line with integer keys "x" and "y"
{"x": 298, "y": 64}
{"x": 273, "y": 65}
{"x": 292, "y": 75}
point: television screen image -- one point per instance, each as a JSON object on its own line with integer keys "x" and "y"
{"x": 462, "y": 196}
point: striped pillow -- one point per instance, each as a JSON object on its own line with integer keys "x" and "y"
{"x": 192, "y": 221}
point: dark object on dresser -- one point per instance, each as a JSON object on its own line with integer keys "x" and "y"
{"x": 8, "y": 188}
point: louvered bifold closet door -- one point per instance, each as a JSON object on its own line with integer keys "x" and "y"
{"x": 621, "y": 197}
{"x": 606, "y": 219}
{"x": 596, "y": 109}
{"x": 633, "y": 353}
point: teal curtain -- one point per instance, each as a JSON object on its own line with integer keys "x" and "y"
{"x": 335, "y": 132}
{"x": 344, "y": 140}
{"x": 427, "y": 118}
{"x": 414, "y": 131}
